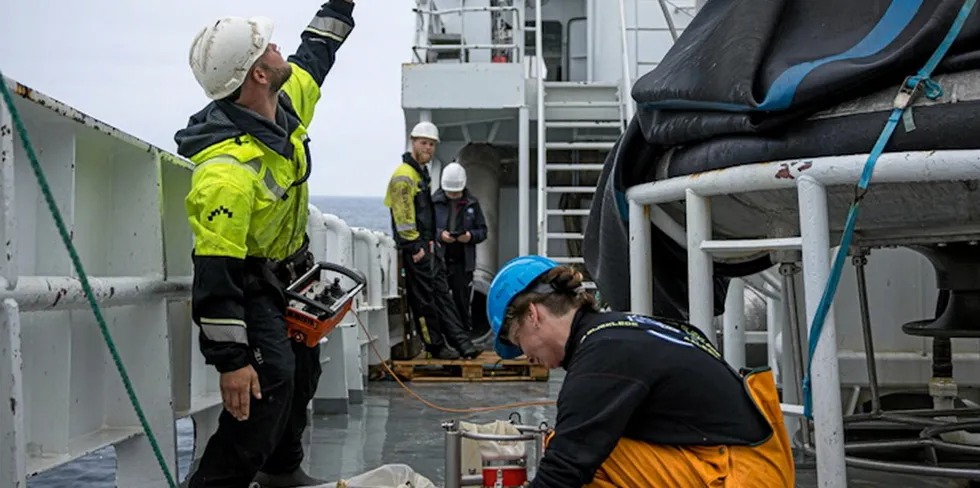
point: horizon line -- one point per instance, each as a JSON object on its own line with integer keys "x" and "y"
{"x": 347, "y": 196}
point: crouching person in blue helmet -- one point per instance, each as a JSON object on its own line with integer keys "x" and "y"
{"x": 646, "y": 402}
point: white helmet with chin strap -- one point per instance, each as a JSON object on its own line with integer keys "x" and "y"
{"x": 224, "y": 51}
{"x": 453, "y": 177}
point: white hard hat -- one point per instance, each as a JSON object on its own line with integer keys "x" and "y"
{"x": 453, "y": 177}
{"x": 224, "y": 51}
{"x": 426, "y": 130}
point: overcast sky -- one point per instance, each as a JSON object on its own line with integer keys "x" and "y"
{"x": 125, "y": 62}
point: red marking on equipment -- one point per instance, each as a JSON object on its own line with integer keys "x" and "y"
{"x": 505, "y": 476}
{"x": 784, "y": 172}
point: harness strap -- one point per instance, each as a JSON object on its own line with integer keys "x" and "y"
{"x": 903, "y": 99}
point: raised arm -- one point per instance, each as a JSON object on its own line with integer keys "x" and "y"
{"x": 316, "y": 55}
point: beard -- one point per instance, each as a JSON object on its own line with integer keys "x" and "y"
{"x": 278, "y": 77}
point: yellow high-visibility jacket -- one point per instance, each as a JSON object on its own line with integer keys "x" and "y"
{"x": 248, "y": 195}
{"x": 409, "y": 197}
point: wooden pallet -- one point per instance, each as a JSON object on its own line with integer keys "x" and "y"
{"x": 487, "y": 367}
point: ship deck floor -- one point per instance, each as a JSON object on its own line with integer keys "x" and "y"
{"x": 391, "y": 426}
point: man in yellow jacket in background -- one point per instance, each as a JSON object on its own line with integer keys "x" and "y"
{"x": 413, "y": 223}
{"x": 247, "y": 207}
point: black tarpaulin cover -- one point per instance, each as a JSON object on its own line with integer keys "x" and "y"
{"x": 737, "y": 88}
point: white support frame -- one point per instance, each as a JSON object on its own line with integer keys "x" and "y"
{"x": 814, "y": 242}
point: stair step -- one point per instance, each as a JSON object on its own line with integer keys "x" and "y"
{"x": 574, "y": 104}
{"x": 567, "y": 259}
{"x": 584, "y": 212}
{"x": 573, "y": 124}
{"x": 600, "y": 145}
{"x": 564, "y": 235}
{"x": 573, "y": 167}
{"x": 570, "y": 189}
{"x": 581, "y": 84}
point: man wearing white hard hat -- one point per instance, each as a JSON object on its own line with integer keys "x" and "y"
{"x": 247, "y": 207}
{"x": 460, "y": 225}
{"x": 413, "y": 221}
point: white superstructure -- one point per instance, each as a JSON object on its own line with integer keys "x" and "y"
{"x": 477, "y": 74}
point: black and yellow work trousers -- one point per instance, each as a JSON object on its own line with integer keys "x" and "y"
{"x": 430, "y": 300}
{"x": 270, "y": 439}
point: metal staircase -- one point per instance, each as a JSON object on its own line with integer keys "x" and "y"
{"x": 578, "y": 124}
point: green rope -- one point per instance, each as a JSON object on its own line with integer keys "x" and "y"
{"x": 43, "y": 183}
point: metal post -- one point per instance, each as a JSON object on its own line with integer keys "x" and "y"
{"x": 733, "y": 329}
{"x": 8, "y": 211}
{"x": 519, "y": 32}
{"x": 454, "y": 448}
{"x": 627, "y": 80}
{"x": 542, "y": 158}
{"x": 538, "y": 449}
{"x": 590, "y": 14}
{"x": 793, "y": 365}
{"x": 774, "y": 330}
{"x": 700, "y": 266}
{"x": 13, "y": 460}
{"x": 523, "y": 180}
{"x": 825, "y": 379}
{"x": 869, "y": 350}
{"x": 641, "y": 269}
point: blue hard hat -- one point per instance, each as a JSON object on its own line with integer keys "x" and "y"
{"x": 511, "y": 280}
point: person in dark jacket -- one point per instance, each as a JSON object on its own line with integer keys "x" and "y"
{"x": 460, "y": 225}
{"x": 645, "y": 401}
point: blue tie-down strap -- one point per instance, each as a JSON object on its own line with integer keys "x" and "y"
{"x": 906, "y": 93}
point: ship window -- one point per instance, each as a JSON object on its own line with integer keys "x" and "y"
{"x": 551, "y": 44}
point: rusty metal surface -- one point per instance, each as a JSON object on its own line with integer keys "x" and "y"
{"x": 37, "y": 99}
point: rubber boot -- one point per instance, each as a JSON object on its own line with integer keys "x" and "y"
{"x": 445, "y": 353}
{"x": 471, "y": 353}
{"x": 289, "y": 480}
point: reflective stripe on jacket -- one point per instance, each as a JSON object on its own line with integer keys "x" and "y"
{"x": 409, "y": 197}
{"x": 248, "y": 195}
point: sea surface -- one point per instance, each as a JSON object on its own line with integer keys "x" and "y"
{"x": 367, "y": 212}
{"x": 97, "y": 470}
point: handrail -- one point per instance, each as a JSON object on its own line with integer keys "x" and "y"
{"x": 542, "y": 157}
{"x": 460, "y": 10}
{"x": 430, "y": 12}
{"x": 627, "y": 83}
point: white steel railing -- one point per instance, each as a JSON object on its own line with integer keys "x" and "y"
{"x": 123, "y": 200}
{"x": 429, "y": 20}
{"x": 813, "y": 243}
{"x": 540, "y": 72}
{"x": 627, "y": 83}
